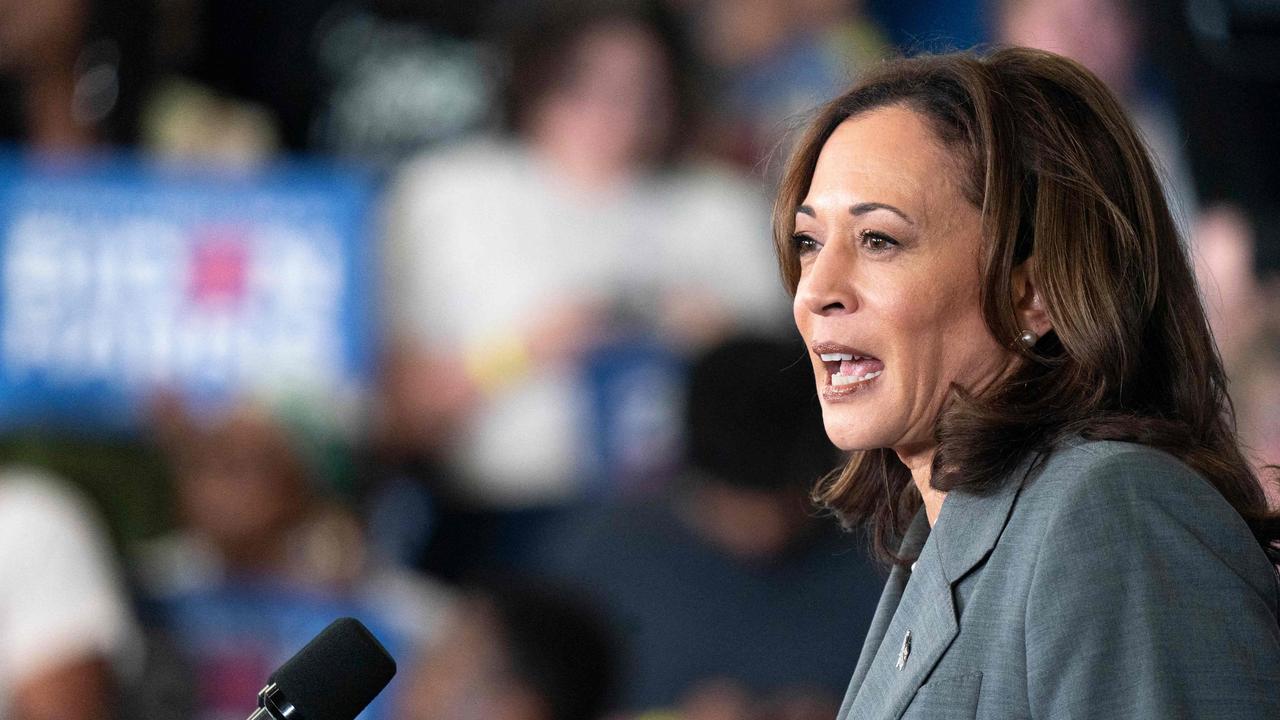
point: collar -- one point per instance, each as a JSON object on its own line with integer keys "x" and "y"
{"x": 969, "y": 525}
{"x": 921, "y": 602}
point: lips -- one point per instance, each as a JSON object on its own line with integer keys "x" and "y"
{"x": 848, "y": 368}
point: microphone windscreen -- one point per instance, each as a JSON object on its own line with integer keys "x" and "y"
{"x": 337, "y": 674}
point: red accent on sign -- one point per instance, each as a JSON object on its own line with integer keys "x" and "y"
{"x": 219, "y": 266}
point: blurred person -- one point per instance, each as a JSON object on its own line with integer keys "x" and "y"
{"x": 260, "y": 562}
{"x": 72, "y": 72}
{"x": 776, "y": 59}
{"x": 40, "y": 42}
{"x": 1243, "y": 309}
{"x": 1257, "y": 385}
{"x": 242, "y": 69}
{"x": 1227, "y": 275}
{"x": 1107, "y": 37}
{"x": 1005, "y": 333}
{"x": 511, "y": 261}
{"x": 1224, "y": 63}
{"x": 513, "y": 650}
{"x": 728, "y": 593}
{"x": 65, "y": 623}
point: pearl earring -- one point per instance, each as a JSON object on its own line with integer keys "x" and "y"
{"x": 1028, "y": 338}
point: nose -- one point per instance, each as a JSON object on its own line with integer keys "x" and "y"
{"x": 828, "y": 287}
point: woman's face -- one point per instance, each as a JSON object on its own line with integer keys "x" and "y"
{"x": 617, "y": 103}
{"x": 889, "y": 275}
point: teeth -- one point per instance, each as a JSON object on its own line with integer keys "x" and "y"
{"x": 841, "y": 357}
{"x": 841, "y": 380}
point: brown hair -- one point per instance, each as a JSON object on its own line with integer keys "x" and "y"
{"x": 543, "y": 39}
{"x": 1059, "y": 173}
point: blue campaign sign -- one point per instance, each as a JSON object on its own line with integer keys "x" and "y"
{"x": 120, "y": 278}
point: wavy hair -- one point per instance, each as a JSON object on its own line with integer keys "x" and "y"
{"x": 1059, "y": 172}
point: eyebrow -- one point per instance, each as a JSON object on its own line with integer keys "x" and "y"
{"x": 862, "y": 209}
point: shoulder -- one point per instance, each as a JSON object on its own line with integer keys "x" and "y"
{"x": 50, "y": 528}
{"x": 701, "y": 193}
{"x": 1120, "y": 475}
{"x": 712, "y": 181}
{"x": 33, "y": 500}
{"x": 1142, "y": 565}
{"x": 440, "y": 192}
{"x": 61, "y": 591}
{"x": 464, "y": 165}
{"x": 1128, "y": 503}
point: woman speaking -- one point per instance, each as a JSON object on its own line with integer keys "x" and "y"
{"x": 1005, "y": 329}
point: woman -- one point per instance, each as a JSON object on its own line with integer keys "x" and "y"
{"x": 1004, "y": 329}
{"x": 510, "y": 261}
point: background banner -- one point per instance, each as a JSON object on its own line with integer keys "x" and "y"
{"x": 119, "y": 279}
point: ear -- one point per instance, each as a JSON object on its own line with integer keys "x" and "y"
{"x": 1028, "y": 305}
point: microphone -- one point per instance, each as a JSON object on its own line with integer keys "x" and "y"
{"x": 333, "y": 677}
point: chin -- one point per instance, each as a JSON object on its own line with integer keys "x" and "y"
{"x": 851, "y": 434}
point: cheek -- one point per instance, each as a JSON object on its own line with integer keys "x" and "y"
{"x": 939, "y": 330}
{"x": 964, "y": 351}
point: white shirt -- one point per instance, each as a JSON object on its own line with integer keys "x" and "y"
{"x": 482, "y": 237}
{"x": 60, "y": 596}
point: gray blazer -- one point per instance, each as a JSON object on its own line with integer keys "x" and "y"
{"x": 1112, "y": 582}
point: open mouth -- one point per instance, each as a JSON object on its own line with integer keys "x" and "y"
{"x": 850, "y": 370}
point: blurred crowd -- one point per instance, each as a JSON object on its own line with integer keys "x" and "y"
{"x": 577, "y": 485}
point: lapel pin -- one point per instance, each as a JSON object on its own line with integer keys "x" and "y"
{"x": 905, "y": 652}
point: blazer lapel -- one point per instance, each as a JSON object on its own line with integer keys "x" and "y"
{"x": 918, "y": 634}
{"x": 970, "y": 524}
{"x": 916, "y": 620}
{"x": 914, "y": 538}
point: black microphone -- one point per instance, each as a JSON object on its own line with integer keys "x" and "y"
{"x": 334, "y": 677}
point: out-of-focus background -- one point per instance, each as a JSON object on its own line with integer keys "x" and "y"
{"x": 461, "y": 318}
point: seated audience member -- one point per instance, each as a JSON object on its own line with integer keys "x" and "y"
{"x": 261, "y": 562}
{"x": 512, "y": 650}
{"x": 729, "y": 592}
{"x": 64, "y": 621}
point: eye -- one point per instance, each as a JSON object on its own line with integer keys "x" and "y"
{"x": 804, "y": 244}
{"x": 876, "y": 242}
